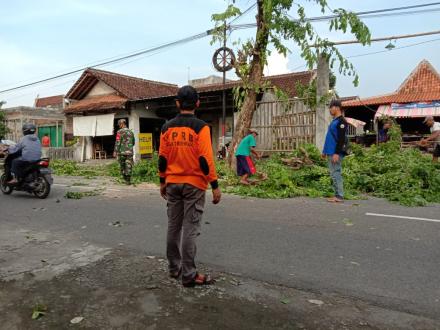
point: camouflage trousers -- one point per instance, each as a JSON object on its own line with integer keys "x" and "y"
{"x": 126, "y": 165}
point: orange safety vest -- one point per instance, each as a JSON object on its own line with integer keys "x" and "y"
{"x": 185, "y": 153}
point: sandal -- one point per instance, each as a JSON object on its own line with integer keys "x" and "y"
{"x": 176, "y": 275}
{"x": 335, "y": 200}
{"x": 199, "y": 279}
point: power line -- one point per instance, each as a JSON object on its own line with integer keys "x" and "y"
{"x": 396, "y": 48}
{"x": 244, "y": 13}
{"x": 88, "y": 65}
{"x": 174, "y": 43}
{"x": 404, "y": 13}
{"x": 366, "y": 14}
{"x": 199, "y": 36}
{"x": 379, "y": 52}
{"x": 402, "y": 36}
{"x": 112, "y": 60}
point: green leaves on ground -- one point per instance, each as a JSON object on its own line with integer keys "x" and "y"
{"x": 81, "y": 194}
{"x": 143, "y": 171}
{"x": 38, "y": 311}
{"x": 404, "y": 176}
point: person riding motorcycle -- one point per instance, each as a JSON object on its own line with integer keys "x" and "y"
{"x": 25, "y": 152}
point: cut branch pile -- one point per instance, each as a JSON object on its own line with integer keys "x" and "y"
{"x": 297, "y": 163}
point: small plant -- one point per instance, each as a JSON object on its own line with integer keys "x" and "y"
{"x": 38, "y": 311}
{"x": 79, "y": 195}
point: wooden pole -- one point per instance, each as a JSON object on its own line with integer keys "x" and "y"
{"x": 322, "y": 115}
{"x": 56, "y": 133}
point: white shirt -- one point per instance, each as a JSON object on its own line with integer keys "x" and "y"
{"x": 435, "y": 128}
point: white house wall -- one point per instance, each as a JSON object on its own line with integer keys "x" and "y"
{"x": 100, "y": 88}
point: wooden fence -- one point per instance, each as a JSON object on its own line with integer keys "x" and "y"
{"x": 60, "y": 153}
{"x": 283, "y": 125}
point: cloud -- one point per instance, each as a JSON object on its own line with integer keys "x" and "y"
{"x": 276, "y": 64}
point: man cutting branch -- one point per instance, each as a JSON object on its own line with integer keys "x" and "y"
{"x": 434, "y": 137}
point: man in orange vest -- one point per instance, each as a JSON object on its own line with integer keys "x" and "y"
{"x": 186, "y": 167}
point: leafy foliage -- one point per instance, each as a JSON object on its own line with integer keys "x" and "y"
{"x": 81, "y": 194}
{"x": 143, "y": 171}
{"x": 308, "y": 93}
{"x": 406, "y": 176}
{"x": 278, "y": 27}
{"x": 3, "y": 128}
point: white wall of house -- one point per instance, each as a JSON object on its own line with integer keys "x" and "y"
{"x": 100, "y": 88}
{"x": 137, "y": 112}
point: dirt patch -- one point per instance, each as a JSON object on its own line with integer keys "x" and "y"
{"x": 125, "y": 290}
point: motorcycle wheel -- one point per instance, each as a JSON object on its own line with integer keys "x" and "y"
{"x": 42, "y": 189}
{"x": 7, "y": 190}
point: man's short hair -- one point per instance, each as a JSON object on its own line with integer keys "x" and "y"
{"x": 335, "y": 103}
{"x": 122, "y": 121}
{"x": 187, "y": 97}
{"x": 252, "y": 131}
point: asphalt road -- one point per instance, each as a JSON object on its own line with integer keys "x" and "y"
{"x": 301, "y": 243}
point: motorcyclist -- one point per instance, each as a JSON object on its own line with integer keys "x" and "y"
{"x": 24, "y": 153}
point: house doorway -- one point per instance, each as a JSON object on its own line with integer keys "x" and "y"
{"x": 103, "y": 146}
{"x": 153, "y": 126}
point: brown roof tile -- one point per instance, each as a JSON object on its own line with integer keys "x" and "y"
{"x": 50, "y": 101}
{"x": 422, "y": 85}
{"x": 97, "y": 103}
{"x": 130, "y": 87}
{"x": 286, "y": 82}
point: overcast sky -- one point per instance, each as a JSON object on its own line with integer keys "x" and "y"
{"x": 41, "y": 38}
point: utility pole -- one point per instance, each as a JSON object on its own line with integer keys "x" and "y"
{"x": 224, "y": 95}
{"x": 223, "y": 61}
{"x": 322, "y": 114}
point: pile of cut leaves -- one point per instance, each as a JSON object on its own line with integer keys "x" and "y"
{"x": 405, "y": 176}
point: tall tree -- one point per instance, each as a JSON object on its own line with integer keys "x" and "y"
{"x": 3, "y": 128}
{"x": 275, "y": 27}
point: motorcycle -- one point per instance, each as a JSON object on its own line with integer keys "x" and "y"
{"x": 37, "y": 178}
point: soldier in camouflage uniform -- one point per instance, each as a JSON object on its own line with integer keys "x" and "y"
{"x": 124, "y": 150}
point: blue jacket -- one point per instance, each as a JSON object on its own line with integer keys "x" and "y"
{"x": 335, "y": 138}
{"x": 30, "y": 148}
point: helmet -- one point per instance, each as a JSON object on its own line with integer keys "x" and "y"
{"x": 29, "y": 129}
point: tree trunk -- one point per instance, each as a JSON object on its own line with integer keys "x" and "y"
{"x": 245, "y": 116}
{"x": 254, "y": 79}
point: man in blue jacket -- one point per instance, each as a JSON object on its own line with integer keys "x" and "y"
{"x": 26, "y": 151}
{"x": 335, "y": 149}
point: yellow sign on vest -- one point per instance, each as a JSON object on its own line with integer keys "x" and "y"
{"x": 145, "y": 143}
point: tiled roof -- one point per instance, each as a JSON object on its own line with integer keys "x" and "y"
{"x": 50, "y": 101}
{"x": 422, "y": 85}
{"x": 130, "y": 87}
{"x": 393, "y": 98}
{"x": 286, "y": 82}
{"x": 97, "y": 103}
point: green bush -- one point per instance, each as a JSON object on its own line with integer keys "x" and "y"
{"x": 404, "y": 176}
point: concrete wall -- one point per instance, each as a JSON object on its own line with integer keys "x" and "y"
{"x": 143, "y": 111}
{"x": 100, "y": 88}
{"x": 17, "y": 116}
{"x": 206, "y": 81}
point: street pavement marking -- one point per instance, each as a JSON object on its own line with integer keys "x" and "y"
{"x": 401, "y": 217}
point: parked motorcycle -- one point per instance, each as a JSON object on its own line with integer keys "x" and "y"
{"x": 37, "y": 178}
